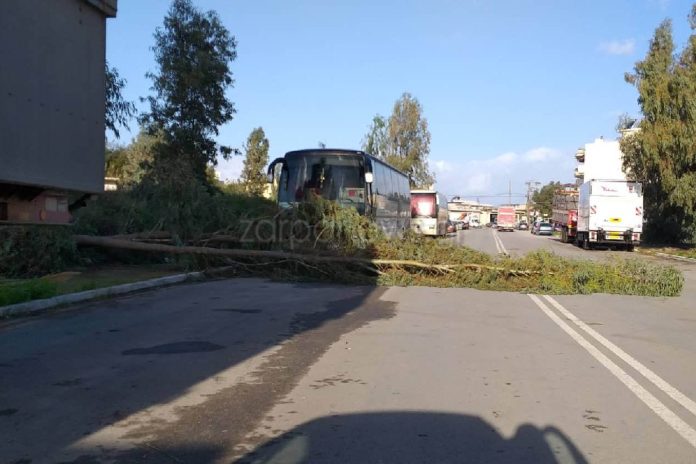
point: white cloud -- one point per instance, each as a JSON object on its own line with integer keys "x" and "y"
{"x": 486, "y": 178}
{"x": 540, "y": 154}
{"x": 505, "y": 158}
{"x": 618, "y": 47}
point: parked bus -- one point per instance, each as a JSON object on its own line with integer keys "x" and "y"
{"x": 349, "y": 177}
{"x": 429, "y": 213}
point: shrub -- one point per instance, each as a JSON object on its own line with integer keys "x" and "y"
{"x": 27, "y": 251}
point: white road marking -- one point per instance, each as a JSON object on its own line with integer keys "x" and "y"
{"x": 659, "y": 382}
{"x": 674, "y": 421}
{"x": 499, "y": 243}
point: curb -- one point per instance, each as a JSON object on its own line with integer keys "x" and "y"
{"x": 33, "y": 307}
{"x": 676, "y": 257}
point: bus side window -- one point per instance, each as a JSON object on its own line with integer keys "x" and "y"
{"x": 405, "y": 195}
{"x": 379, "y": 178}
{"x": 390, "y": 184}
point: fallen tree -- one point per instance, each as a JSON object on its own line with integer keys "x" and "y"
{"x": 123, "y": 243}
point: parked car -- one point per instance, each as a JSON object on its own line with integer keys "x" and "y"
{"x": 542, "y": 228}
{"x": 522, "y": 226}
{"x": 451, "y": 228}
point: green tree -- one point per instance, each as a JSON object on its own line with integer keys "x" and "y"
{"x": 193, "y": 52}
{"x": 256, "y": 149}
{"x": 662, "y": 154}
{"x": 409, "y": 141}
{"x": 376, "y": 140}
{"x": 403, "y": 140}
{"x": 543, "y": 198}
{"x": 118, "y": 110}
{"x": 130, "y": 163}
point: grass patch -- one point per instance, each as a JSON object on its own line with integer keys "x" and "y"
{"x": 20, "y": 291}
{"x": 12, "y": 292}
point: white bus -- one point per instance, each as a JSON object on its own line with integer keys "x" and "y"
{"x": 429, "y": 213}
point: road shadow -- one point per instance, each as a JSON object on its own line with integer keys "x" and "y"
{"x": 413, "y": 437}
{"x": 105, "y": 364}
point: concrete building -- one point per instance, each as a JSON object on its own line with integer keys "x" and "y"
{"x": 52, "y": 105}
{"x": 601, "y": 159}
{"x": 460, "y": 209}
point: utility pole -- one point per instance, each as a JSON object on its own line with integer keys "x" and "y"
{"x": 531, "y": 187}
{"x": 509, "y": 191}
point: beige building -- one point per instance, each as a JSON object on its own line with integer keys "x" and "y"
{"x": 460, "y": 209}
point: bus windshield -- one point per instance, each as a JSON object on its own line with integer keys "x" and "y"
{"x": 333, "y": 177}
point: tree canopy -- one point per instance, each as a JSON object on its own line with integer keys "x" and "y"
{"x": 130, "y": 163}
{"x": 376, "y": 140}
{"x": 403, "y": 140}
{"x": 118, "y": 109}
{"x": 193, "y": 51}
{"x": 543, "y": 198}
{"x": 256, "y": 149}
{"x": 662, "y": 154}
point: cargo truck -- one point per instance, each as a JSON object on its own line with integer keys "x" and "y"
{"x": 506, "y": 218}
{"x": 564, "y": 214}
{"x": 610, "y": 213}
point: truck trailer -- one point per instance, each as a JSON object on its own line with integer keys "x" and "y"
{"x": 565, "y": 212}
{"x": 610, "y": 212}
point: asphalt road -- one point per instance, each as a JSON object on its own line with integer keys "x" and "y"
{"x": 247, "y": 370}
{"x": 519, "y": 242}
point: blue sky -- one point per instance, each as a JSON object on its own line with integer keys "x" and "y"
{"x": 510, "y": 88}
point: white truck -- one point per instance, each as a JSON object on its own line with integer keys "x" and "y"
{"x": 610, "y": 213}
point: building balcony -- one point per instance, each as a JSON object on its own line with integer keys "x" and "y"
{"x": 580, "y": 155}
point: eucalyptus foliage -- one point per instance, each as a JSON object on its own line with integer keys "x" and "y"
{"x": 256, "y": 149}
{"x": 193, "y": 51}
{"x": 662, "y": 154}
{"x": 403, "y": 140}
{"x": 118, "y": 110}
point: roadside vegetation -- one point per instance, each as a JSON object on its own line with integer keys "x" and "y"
{"x": 171, "y": 210}
{"x": 661, "y": 152}
{"x": 79, "y": 280}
